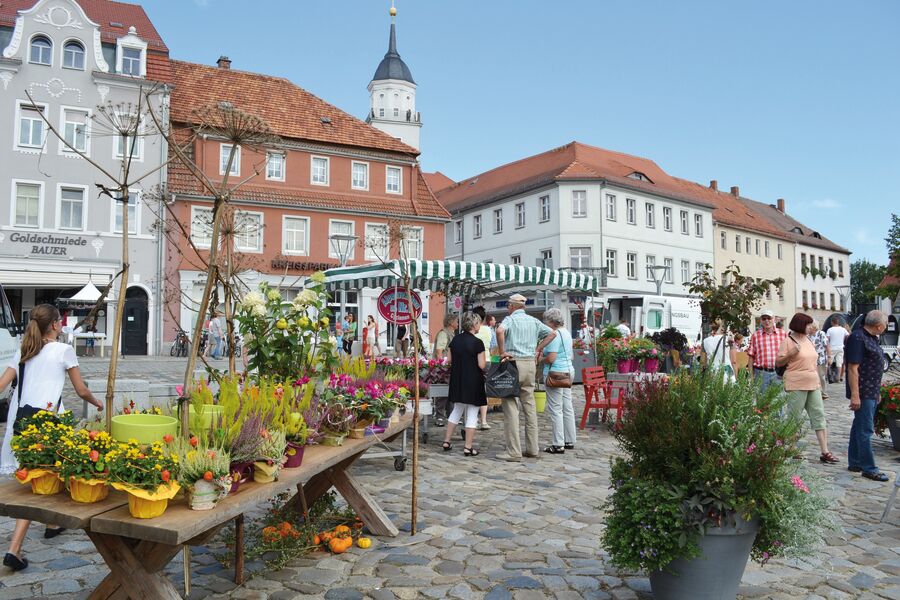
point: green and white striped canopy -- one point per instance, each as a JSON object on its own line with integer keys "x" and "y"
{"x": 458, "y": 277}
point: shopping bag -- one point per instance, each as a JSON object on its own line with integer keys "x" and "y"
{"x": 502, "y": 380}
{"x": 833, "y": 372}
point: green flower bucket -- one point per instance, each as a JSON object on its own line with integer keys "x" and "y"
{"x": 146, "y": 429}
{"x": 540, "y": 401}
{"x": 209, "y": 414}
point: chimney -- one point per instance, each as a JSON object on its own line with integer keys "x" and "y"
{"x": 713, "y": 184}
{"x": 224, "y": 62}
{"x": 780, "y": 205}
{"x": 735, "y": 191}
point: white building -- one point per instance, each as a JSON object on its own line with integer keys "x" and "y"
{"x": 583, "y": 208}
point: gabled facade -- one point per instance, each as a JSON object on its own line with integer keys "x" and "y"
{"x": 57, "y": 232}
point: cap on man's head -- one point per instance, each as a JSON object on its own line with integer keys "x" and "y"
{"x": 767, "y": 313}
{"x": 518, "y": 299}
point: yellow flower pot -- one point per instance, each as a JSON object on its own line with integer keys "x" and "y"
{"x": 147, "y": 505}
{"x": 263, "y": 472}
{"x": 43, "y": 482}
{"x": 540, "y": 401}
{"x": 88, "y": 491}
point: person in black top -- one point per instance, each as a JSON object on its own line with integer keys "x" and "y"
{"x": 467, "y": 364}
{"x": 863, "y": 357}
{"x": 402, "y": 341}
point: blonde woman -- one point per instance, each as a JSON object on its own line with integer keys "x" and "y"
{"x": 44, "y": 363}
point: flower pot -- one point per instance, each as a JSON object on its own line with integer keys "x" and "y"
{"x": 893, "y": 423}
{"x": 333, "y": 439}
{"x": 716, "y": 573}
{"x": 540, "y": 400}
{"x": 263, "y": 472}
{"x": 651, "y": 365}
{"x": 204, "y": 495}
{"x": 385, "y": 422}
{"x": 146, "y": 429}
{"x": 294, "y": 453}
{"x": 240, "y": 473}
{"x": 46, "y": 484}
{"x": 87, "y": 491}
{"x": 626, "y": 366}
{"x": 358, "y": 433}
{"x": 143, "y": 504}
{"x": 209, "y": 415}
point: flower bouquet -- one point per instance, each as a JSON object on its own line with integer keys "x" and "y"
{"x": 270, "y": 457}
{"x": 645, "y": 350}
{"x": 83, "y": 466}
{"x": 204, "y": 472}
{"x": 147, "y": 474}
{"x": 35, "y": 450}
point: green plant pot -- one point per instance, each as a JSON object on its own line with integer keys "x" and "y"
{"x": 146, "y": 429}
{"x": 208, "y": 416}
{"x": 331, "y": 439}
{"x": 540, "y": 400}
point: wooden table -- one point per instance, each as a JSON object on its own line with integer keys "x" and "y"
{"x": 137, "y": 550}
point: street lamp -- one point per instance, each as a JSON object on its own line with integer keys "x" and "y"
{"x": 342, "y": 245}
{"x": 658, "y": 274}
{"x": 844, "y": 292}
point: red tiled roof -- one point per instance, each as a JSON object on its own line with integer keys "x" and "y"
{"x": 889, "y": 280}
{"x": 102, "y": 12}
{"x": 290, "y": 111}
{"x": 791, "y": 227}
{"x": 159, "y": 67}
{"x": 572, "y": 161}
{"x": 438, "y": 181}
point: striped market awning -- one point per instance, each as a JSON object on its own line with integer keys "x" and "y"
{"x": 459, "y": 277}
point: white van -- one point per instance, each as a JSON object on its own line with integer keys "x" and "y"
{"x": 647, "y": 315}
{"x": 9, "y": 343}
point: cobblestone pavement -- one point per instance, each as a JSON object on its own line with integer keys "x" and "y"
{"x": 496, "y": 530}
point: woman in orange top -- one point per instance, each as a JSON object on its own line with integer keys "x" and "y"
{"x": 801, "y": 380}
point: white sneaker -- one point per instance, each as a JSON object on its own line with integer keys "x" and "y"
{"x": 484, "y": 426}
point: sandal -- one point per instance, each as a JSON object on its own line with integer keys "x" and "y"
{"x": 555, "y": 450}
{"x": 875, "y": 475}
{"x": 447, "y": 447}
{"x": 470, "y": 452}
{"x": 828, "y": 457}
{"x": 569, "y": 446}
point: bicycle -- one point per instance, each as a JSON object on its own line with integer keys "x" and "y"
{"x": 181, "y": 345}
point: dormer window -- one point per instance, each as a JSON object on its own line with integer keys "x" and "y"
{"x": 41, "y": 51}
{"x": 796, "y": 230}
{"x": 131, "y": 62}
{"x": 639, "y": 176}
{"x": 817, "y": 235}
{"x": 73, "y": 56}
{"x": 131, "y": 54}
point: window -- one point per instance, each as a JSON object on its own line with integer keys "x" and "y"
{"x": 843, "y": 308}
{"x": 840, "y": 265}
{"x": 75, "y": 130}
{"x": 31, "y": 126}
{"x": 724, "y": 240}
{"x": 133, "y": 225}
{"x": 71, "y": 208}
{"x": 631, "y": 265}
{"x": 131, "y": 61}
{"x": 498, "y": 220}
{"x": 319, "y": 170}
{"x": 201, "y": 226}
{"x": 737, "y": 243}
{"x": 685, "y": 271}
{"x": 394, "y": 175}
{"x": 476, "y": 226}
{"x": 667, "y": 218}
{"x": 831, "y": 301}
{"x": 579, "y": 204}
{"x": 831, "y": 269}
{"x": 684, "y": 222}
{"x": 781, "y": 292}
{"x": 670, "y": 269}
{"x": 360, "y": 176}
{"x": 340, "y": 228}
{"x": 396, "y": 112}
{"x": 780, "y": 255}
{"x": 545, "y": 208}
{"x": 515, "y": 259}
{"x": 295, "y": 235}
{"x": 248, "y": 231}
{"x": 802, "y": 259}
{"x": 821, "y": 269}
{"x": 651, "y": 214}
{"x": 805, "y": 299}
{"x": 630, "y": 211}
{"x": 457, "y": 232}
{"x": 766, "y": 249}
{"x": 698, "y": 226}
{"x": 547, "y": 259}
{"x": 580, "y": 257}
{"x": 699, "y": 267}
{"x": 612, "y": 259}
{"x": 275, "y": 166}
{"x": 73, "y": 56}
{"x": 757, "y": 247}
{"x": 610, "y": 207}
{"x": 412, "y": 237}
{"x": 520, "y": 215}
{"x": 41, "y": 51}
{"x": 134, "y": 147}
{"x": 28, "y": 205}
{"x": 749, "y": 245}
{"x": 650, "y": 262}
{"x": 224, "y": 156}
{"x": 377, "y": 241}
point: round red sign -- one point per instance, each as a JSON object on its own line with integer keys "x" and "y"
{"x": 394, "y": 305}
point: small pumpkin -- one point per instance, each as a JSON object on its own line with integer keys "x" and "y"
{"x": 364, "y": 542}
{"x": 326, "y": 536}
{"x": 317, "y": 540}
{"x": 340, "y": 545}
{"x": 341, "y": 529}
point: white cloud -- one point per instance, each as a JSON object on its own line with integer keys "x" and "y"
{"x": 826, "y": 203}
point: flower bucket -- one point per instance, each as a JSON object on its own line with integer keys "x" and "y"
{"x": 88, "y": 491}
{"x": 540, "y": 400}
{"x": 385, "y": 422}
{"x": 263, "y": 472}
{"x": 333, "y": 439}
{"x": 294, "y": 454}
{"x": 240, "y": 473}
{"x": 43, "y": 482}
{"x": 358, "y": 433}
{"x": 204, "y": 495}
{"x": 651, "y": 365}
{"x": 625, "y": 366}
{"x": 146, "y": 429}
{"x": 148, "y": 505}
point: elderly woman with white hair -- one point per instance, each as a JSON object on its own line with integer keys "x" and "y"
{"x": 557, "y": 360}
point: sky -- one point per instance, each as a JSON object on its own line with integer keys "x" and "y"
{"x": 797, "y": 100}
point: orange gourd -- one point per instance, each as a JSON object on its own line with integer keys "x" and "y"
{"x": 341, "y": 529}
{"x": 340, "y": 545}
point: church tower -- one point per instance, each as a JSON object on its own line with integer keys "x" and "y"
{"x": 392, "y": 95}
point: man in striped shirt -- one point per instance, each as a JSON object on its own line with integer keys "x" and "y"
{"x": 764, "y": 345}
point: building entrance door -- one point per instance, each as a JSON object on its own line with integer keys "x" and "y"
{"x": 135, "y": 322}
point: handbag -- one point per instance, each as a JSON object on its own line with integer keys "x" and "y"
{"x": 559, "y": 379}
{"x": 24, "y": 413}
{"x": 780, "y": 370}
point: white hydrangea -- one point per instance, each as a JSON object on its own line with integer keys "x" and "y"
{"x": 258, "y": 310}
{"x": 252, "y": 300}
{"x": 305, "y": 298}
{"x": 273, "y": 295}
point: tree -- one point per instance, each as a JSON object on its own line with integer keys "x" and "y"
{"x": 864, "y": 279}
{"x": 890, "y": 290}
{"x": 734, "y": 299}
{"x": 893, "y": 237}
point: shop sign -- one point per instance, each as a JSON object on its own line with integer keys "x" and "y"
{"x": 393, "y": 305}
{"x": 47, "y": 244}
{"x": 280, "y": 264}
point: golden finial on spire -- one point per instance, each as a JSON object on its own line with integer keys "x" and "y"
{"x": 393, "y": 9}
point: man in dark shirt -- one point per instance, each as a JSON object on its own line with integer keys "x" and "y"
{"x": 863, "y": 357}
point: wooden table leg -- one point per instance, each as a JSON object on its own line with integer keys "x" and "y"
{"x": 134, "y": 569}
{"x": 362, "y": 502}
{"x": 239, "y": 549}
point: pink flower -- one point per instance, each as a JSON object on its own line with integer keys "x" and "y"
{"x": 799, "y": 484}
{"x": 751, "y": 448}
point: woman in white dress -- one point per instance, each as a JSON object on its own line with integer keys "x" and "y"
{"x": 44, "y": 364}
{"x": 720, "y": 354}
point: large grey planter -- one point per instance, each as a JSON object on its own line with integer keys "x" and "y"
{"x": 894, "y": 426}
{"x": 716, "y": 573}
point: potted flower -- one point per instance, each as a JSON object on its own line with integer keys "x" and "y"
{"x": 35, "y": 450}
{"x": 645, "y": 350}
{"x": 271, "y": 456}
{"x": 888, "y": 412}
{"x": 148, "y": 474}
{"x": 624, "y": 356}
{"x": 337, "y": 421}
{"x": 204, "y": 472}
{"x": 83, "y": 466}
{"x": 709, "y": 479}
